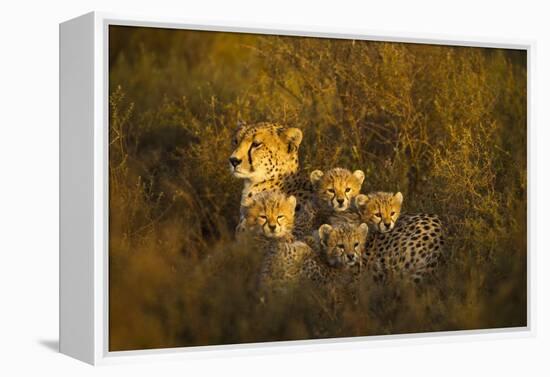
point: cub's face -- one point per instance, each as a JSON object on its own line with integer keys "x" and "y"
{"x": 264, "y": 150}
{"x": 380, "y": 209}
{"x": 337, "y": 187}
{"x": 342, "y": 245}
{"x": 270, "y": 214}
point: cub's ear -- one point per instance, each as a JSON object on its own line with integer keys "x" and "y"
{"x": 294, "y": 137}
{"x": 361, "y": 200}
{"x": 247, "y": 202}
{"x": 315, "y": 177}
{"x": 292, "y": 201}
{"x": 398, "y": 198}
{"x": 364, "y": 230}
{"x": 359, "y": 175}
{"x": 324, "y": 231}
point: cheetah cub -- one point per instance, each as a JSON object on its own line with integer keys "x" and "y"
{"x": 334, "y": 192}
{"x": 406, "y": 245}
{"x": 379, "y": 209}
{"x": 269, "y": 216}
{"x": 339, "y": 254}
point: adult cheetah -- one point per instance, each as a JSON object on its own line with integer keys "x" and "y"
{"x": 265, "y": 156}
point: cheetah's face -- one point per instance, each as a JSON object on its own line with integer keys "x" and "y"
{"x": 337, "y": 187}
{"x": 264, "y": 150}
{"x": 270, "y": 214}
{"x": 380, "y": 209}
{"x": 342, "y": 245}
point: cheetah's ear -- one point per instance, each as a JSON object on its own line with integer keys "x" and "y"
{"x": 324, "y": 231}
{"x": 359, "y": 175}
{"x": 361, "y": 200}
{"x": 315, "y": 176}
{"x": 292, "y": 201}
{"x": 247, "y": 202}
{"x": 294, "y": 137}
{"x": 364, "y": 230}
{"x": 241, "y": 128}
{"x": 398, "y": 198}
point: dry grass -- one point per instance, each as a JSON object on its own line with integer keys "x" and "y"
{"x": 444, "y": 125}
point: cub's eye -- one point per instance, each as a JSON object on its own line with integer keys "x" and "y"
{"x": 280, "y": 217}
{"x": 256, "y": 144}
{"x": 356, "y": 244}
{"x": 348, "y": 189}
{"x": 234, "y": 141}
{"x": 392, "y": 213}
{"x": 378, "y": 214}
{"x": 331, "y": 191}
{"x": 263, "y": 217}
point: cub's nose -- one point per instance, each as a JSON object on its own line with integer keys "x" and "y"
{"x": 340, "y": 201}
{"x": 387, "y": 223}
{"x": 235, "y": 161}
{"x": 351, "y": 257}
{"x": 272, "y": 227}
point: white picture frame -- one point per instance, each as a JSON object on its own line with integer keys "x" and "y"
{"x": 84, "y": 191}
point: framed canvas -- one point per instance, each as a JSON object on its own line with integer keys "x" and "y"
{"x": 255, "y": 188}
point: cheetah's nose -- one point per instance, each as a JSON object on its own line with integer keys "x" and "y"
{"x": 235, "y": 161}
{"x": 351, "y": 257}
{"x": 272, "y": 227}
{"x": 340, "y": 201}
{"x": 387, "y": 224}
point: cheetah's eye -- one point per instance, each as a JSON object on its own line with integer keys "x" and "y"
{"x": 348, "y": 189}
{"x": 280, "y": 217}
{"x": 378, "y": 214}
{"x": 356, "y": 244}
{"x": 392, "y": 213}
{"x": 340, "y": 246}
{"x": 331, "y": 191}
{"x": 263, "y": 217}
{"x": 256, "y": 144}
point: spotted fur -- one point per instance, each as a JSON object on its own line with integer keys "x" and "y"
{"x": 269, "y": 214}
{"x": 339, "y": 256}
{"x": 410, "y": 246}
{"x": 380, "y": 209}
{"x": 335, "y": 189}
{"x": 282, "y": 266}
{"x": 265, "y": 156}
{"x": 269, "y": 217}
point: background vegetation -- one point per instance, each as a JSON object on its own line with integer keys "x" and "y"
{"x": 444, "y": 125}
